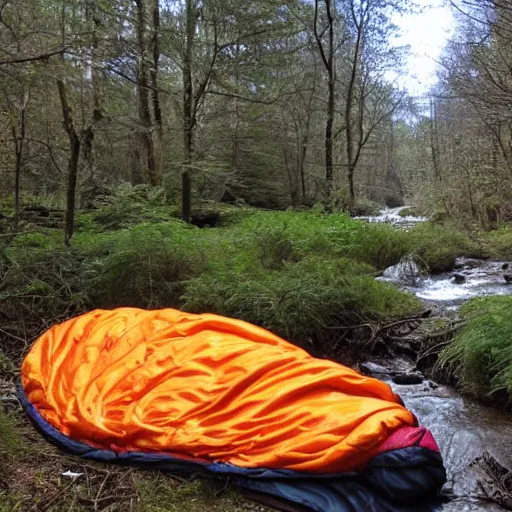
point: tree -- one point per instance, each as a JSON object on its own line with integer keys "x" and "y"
{"x": 369, "y": 100}
{"x": 327, "y": 51}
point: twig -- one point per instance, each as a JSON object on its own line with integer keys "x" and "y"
{"x": 432, "y": 350}
{"x": 99, "y": 491}
{"x": 42, "y": 507}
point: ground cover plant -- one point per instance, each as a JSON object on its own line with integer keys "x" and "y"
{"x": 480, "y": 357}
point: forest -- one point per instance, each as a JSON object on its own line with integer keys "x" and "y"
{"x": 277, "y": 104}
{"x": 230, "y": 157}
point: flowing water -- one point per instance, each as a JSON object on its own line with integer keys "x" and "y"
{"x": 463, "y": 428}
{"x": 392, "y": 216}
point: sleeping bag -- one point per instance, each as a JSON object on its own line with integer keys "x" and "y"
{"x": 194, "y": 393}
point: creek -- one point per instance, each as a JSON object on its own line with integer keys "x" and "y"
{"x": 463, "y": 428}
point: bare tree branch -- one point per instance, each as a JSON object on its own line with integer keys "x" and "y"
{"x": 33, "y": 58}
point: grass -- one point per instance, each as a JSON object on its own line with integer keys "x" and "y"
{"x": 300, "y": 274}
{"x": 500, "y": 243}
{"x": 438, "y": 246}
{"x": 480, "y": 357}
{"x": 31, "y": 478}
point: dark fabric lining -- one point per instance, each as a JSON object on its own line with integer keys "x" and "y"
{"x": 401, "y": 480}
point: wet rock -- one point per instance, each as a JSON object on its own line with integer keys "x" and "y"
{"x": 504, "y": 266}
{"x": 407, "y": 271}
{"x": 469, "y": 263}
{"x": 372, "y": 369}
{"x": 408, "y": 378}
{"x": 508, "y": 278}
{"x": 403, "y": 347}
{"x": 459, "y": 278}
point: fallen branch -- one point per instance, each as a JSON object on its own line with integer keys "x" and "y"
{"x": 398, "y": 323}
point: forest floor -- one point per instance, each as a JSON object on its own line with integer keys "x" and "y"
{"x": 33, "y": 478}
{"x": 131, "y": 250}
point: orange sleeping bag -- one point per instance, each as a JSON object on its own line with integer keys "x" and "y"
{"x": 206, "y": 387}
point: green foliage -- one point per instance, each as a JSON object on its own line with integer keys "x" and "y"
{"x": 378, "y": 245}
{"x": 41, "y": 283}
{"x": 339, "y": 200}
{"x": 480, "y": 358}
{"x": 130, "y": 209}
{"x": 146, "y": 266}
{"x": 410, "y": 211}
{"x": 297, "y": 273}
{"x": 500, "y": 242}
{"x": 438, "y": 246}
{"x": 303, "y": 300}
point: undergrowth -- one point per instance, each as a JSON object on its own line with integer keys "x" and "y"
{"x": 303, "y": 275}
{"x": 480, "y": 357}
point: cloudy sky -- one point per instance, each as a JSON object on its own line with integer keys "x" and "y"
{"x": 427, "y": 34}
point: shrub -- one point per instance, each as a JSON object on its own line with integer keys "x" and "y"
{"x": 377, "y": 244}
{"x": 303, "y": 301}
{"x": 145, "y": 267}
{"x": 40, "y": 285}
{"x": 297, "y": 273}
{"x": 500, "y": 242}
{"x": 480, "y": 357}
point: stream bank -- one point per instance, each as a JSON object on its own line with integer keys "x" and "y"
{"x": 473, "y": 438}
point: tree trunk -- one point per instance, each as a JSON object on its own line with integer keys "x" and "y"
{"x": 349, "y": 125}
{"x": 302, "y": 163}
{"x": 87, "y": 145}
{"x": 143, "y": 85}
{"x": 74, "y": 156}
{"x": 20, "y": 143}
{"x": 329, "y": 141}
{"x": 89, "y": 131}
{"x": 17, "y": 183}
{"x": 328, "y": 61}
{"x": 434, "y": 141}
{"x": 188, "y": 114}
{"x": 155, "y": 96}
{"x": 328, "y": 137}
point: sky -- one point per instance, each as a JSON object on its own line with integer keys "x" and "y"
{"x": 426, "y": 33}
